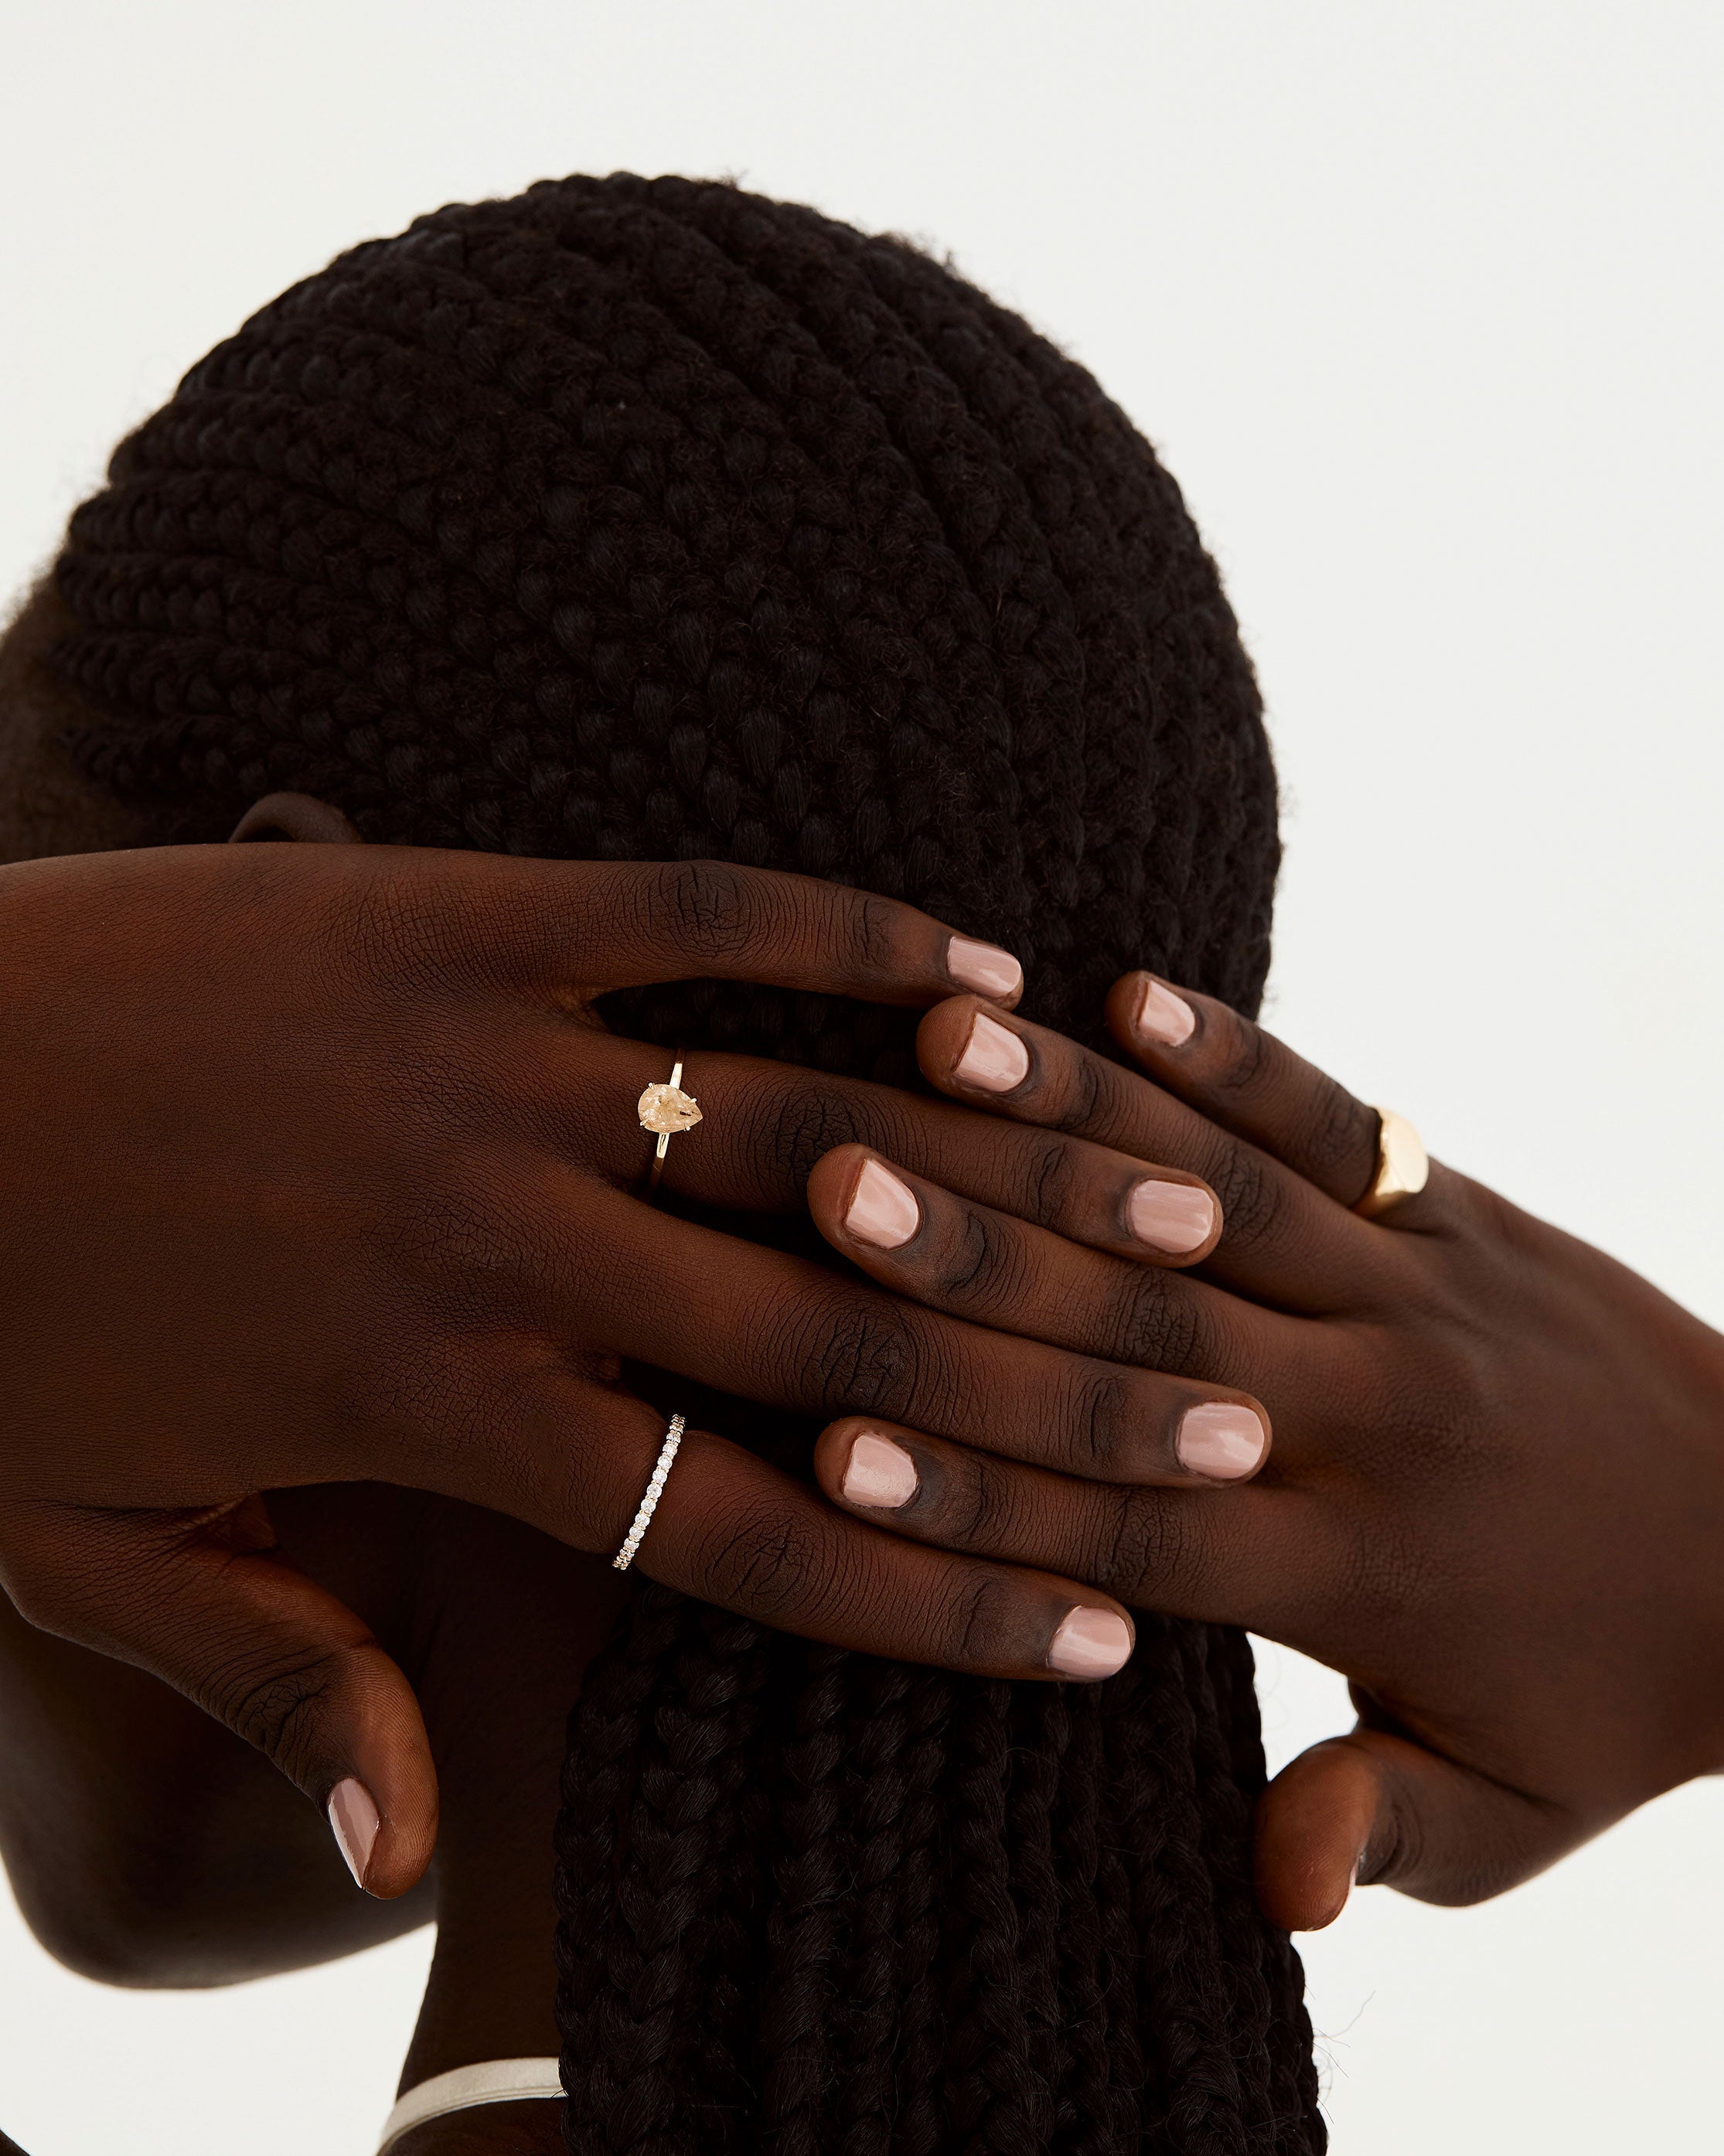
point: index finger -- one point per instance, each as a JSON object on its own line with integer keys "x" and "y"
{"x": 596, "y": 925}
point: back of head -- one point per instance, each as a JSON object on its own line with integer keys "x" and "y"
{"x": 639, "y": 519}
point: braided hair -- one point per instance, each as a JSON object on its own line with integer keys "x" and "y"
{"x": 640, "y": 518}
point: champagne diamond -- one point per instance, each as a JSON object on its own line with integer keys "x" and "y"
{"x": 667, "y": 1109}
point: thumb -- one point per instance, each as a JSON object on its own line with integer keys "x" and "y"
{"x": 1380, "y": 1809}
{"x": 209, "y": 1601}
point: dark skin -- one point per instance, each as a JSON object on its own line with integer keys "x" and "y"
{"x": 148, "y": 1845}
{"x": 1452, "y": 1483}
{"x": 353, "y": 1106}
{"x": 1496, "y": 1496}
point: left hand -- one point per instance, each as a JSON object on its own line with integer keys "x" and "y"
{"x": 1495, "y": 1500}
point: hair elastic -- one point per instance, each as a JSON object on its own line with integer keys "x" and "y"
{"x": 493, "y": 2080}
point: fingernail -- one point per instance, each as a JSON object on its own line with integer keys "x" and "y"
{"x": 1090, "y": 1643}
{"x": 1221, "y": 1440}
{"x": 882, "y": 1210}
{"x": 355, "y": 1819}
{"x": 879, "y": 1473}
{"x": 984, "y": 967}
{"x": 994, "y": 1059}
{"x": 1170, "y": 1216}
{"x": 1163, "y": 1017}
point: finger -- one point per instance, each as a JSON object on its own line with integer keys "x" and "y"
{"x": 788, "y": 1334}
{"x": 207, "y": 1603}
{"x": 1158, "y": 1217}
{"x": 1249, "y": 1082}
{"x": 1281, "y": 1238}
{"x": 1226, "y": 1560}
{"x": 990, "y": 1270}
{"x": 593, "y": 925}
{"x": 740, "y": 1533}
{"x": 764, "y": 1126}
{"x": 1377, "y": 1809}
{"x": 736, "y": 1532}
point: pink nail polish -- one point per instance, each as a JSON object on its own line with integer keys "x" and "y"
{"x": 1166, "y": 1019}
{"x": 879, "y": 1473}
{"x": 994, "y": 1060}
{"x": 1090, "y": 1643}
{"x": 354, "y": 1821}
{"x": 984, "y": 967}
{"x": 882, "y": 1210}
{"x": 1221, "y": 1440}
{"x": 1175, "y": 1217}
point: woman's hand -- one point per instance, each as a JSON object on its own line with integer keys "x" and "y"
{"x": 1496, "y": 1496}
{"x": 315, "y": 1166}
{"x": 149, "y": 1847}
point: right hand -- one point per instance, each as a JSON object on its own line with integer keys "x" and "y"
{"x": 318, "y": 1167}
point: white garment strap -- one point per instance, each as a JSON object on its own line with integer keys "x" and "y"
{"x": 494, "y": 2081}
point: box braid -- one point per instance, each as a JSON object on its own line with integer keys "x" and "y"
{"x": 648, "y": 519}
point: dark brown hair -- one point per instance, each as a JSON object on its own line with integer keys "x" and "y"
{"x": 653, "y": 520}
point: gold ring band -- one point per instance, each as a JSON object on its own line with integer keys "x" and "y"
{"x": 665, "y": 1110}
{"x": 1402, "y": 1165}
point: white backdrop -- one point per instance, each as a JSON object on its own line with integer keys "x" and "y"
{"x": 1421, "y": 304}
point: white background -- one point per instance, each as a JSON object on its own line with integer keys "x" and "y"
{"x": 1422, "y": 304}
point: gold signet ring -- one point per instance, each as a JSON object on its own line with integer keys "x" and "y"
{"x": 1402, "y": 1165}
{"x": 666, "y": 1109}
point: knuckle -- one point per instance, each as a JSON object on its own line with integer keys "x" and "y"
{"x": 283, "y": 1710}
{"x": 808, "y": 1121}
{"x": 714, "y": 908}
{"x": 980, "y": 1265}
{"x": 868, "y": 1360}
{"x": 980, "y": 1627}
{"x": 1135, "y": 1543}
{"x": 1101, "y": 1423}
{"x": 1249, "y": 1194}
{"x": 975, "y": 1506}
{"x": 1155, "y": 1326}
{"x": 1086, "y": 1080}
{"x": 1047, "y": 1180}
{"x": 765, "y": 1562}
{"x": 1244, "y": 1054}
{"x": 874, "y": 925}
{"x": 1339, "y": 1135}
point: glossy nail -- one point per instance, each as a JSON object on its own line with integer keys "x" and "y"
{"x": 354, "y": 1821}
{"x": 1166, "y": 1019}
{"x": 879, "y": 1473}
{"x": 994, "y": 1060}
{"x": 1221, "y": 1440}
{"x": 984, "y": 967}
{"x": 1090, "y": 1643}
{"x": 1175, "y": 1217}
{"x": 882, "y": 1210}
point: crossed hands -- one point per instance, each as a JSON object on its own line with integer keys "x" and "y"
{"x": 321, "y": 1167}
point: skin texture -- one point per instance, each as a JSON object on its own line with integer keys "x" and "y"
{"x": 1496, "y": 1496}
{"x": 351, "y": 1104}
{"x": 1497, "y": 1486}
{"x": 149, "y": 1845}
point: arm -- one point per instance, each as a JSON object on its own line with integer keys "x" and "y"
{"x": 150, "y": 1847}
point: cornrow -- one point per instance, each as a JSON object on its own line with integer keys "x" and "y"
{"x": 641, "y": 519}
